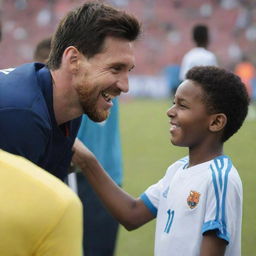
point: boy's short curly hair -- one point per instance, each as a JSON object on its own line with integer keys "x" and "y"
{"x": 224, "y": 93}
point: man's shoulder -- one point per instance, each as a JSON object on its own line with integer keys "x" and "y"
{"x": 19, "y": 88}
{"x": 16, "y": 82}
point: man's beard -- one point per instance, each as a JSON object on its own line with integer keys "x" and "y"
{"x": 88, "y": 100}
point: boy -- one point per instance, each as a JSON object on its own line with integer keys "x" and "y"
{"x": 198, "y": 203}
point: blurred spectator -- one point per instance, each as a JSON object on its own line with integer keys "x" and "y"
{"x": 0, "y": 30}
{"x": 21, "y": 33}
{"x": 246, "y": 71}
{"x": 171, "y": 74}
{"x": 42, "y": 50}
{"x": 198, "y": 56}
{"x": 103, "y": 139}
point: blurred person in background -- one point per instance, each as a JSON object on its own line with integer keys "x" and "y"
{"x": 246, "y": 71}
{"x": 103, "y": 139}
{"x": 42, "y": 50}
{"x": 91, "y": 57}
{"x": 199, "y": 55}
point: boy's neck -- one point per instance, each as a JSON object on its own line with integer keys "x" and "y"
{"x": 198, "y": 156}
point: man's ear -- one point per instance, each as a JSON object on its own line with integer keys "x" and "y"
{"x": 71, "y": 59}
{"x": 217, "y": 122}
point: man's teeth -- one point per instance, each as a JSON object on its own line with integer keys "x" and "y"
{"x": 107, "y": 96}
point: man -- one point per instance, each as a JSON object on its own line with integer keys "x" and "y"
{"x": 199, "y": 55}
{"x": 29, "y": 195}
{"x": 41, "y": 106}
{"x": 103, "y": 139}
{"x": 37, "y": 209}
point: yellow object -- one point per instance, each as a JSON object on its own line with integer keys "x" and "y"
{"x": 39, "y": 214}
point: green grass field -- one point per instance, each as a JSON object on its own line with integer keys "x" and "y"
{"x": 147, "y": 153}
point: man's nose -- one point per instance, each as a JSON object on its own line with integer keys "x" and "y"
{"x": 123, "y": 83}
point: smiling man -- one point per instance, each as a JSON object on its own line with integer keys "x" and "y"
{"x": 41, "y": 106}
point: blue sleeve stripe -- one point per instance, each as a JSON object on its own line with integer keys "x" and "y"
{"x": 225, "y": 193}
{"x": 148, "y": 203}
{"x": 219, "y": 163}
{"x": 216, "y": 193}
{"x": 215, "y": 225}
{"x": 221, "y": 191}
{"x": 210, "y": 225}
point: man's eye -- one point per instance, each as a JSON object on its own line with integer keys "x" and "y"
{"x": 117, "y": 68}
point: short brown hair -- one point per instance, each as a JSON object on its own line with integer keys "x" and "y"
{"x": 86, "y": 28}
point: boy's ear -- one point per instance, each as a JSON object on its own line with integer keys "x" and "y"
{"x": 217, "y": 122}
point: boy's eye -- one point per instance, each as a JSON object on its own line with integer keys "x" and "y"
{"x": 180, "y": 105}
{"x": 183, "y": 106}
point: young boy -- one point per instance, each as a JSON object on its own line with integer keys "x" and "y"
{"x": 198, "y": 203}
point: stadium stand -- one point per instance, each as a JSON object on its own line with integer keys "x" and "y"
{"x": 167, "y": 26}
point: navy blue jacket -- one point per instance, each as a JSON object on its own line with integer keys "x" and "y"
{"x": 27, "y": 123}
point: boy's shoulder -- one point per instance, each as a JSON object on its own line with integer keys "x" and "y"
{"x": 220, "y": 164}
{"x": 179, "y": 163}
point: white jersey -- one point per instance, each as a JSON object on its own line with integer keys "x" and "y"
{"x": 197, "y": 56}
{"x": 188, "y": 202}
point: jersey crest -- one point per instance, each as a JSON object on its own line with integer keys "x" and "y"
{"x": 193, "y": 199}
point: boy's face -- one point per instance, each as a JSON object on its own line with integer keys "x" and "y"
{"x": 188, "y": 116}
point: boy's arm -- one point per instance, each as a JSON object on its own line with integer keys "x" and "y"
{"x": 212, "y": 245}
{"x": 129, "y": 211}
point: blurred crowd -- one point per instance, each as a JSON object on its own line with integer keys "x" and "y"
{"x": 167, "y": 25}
